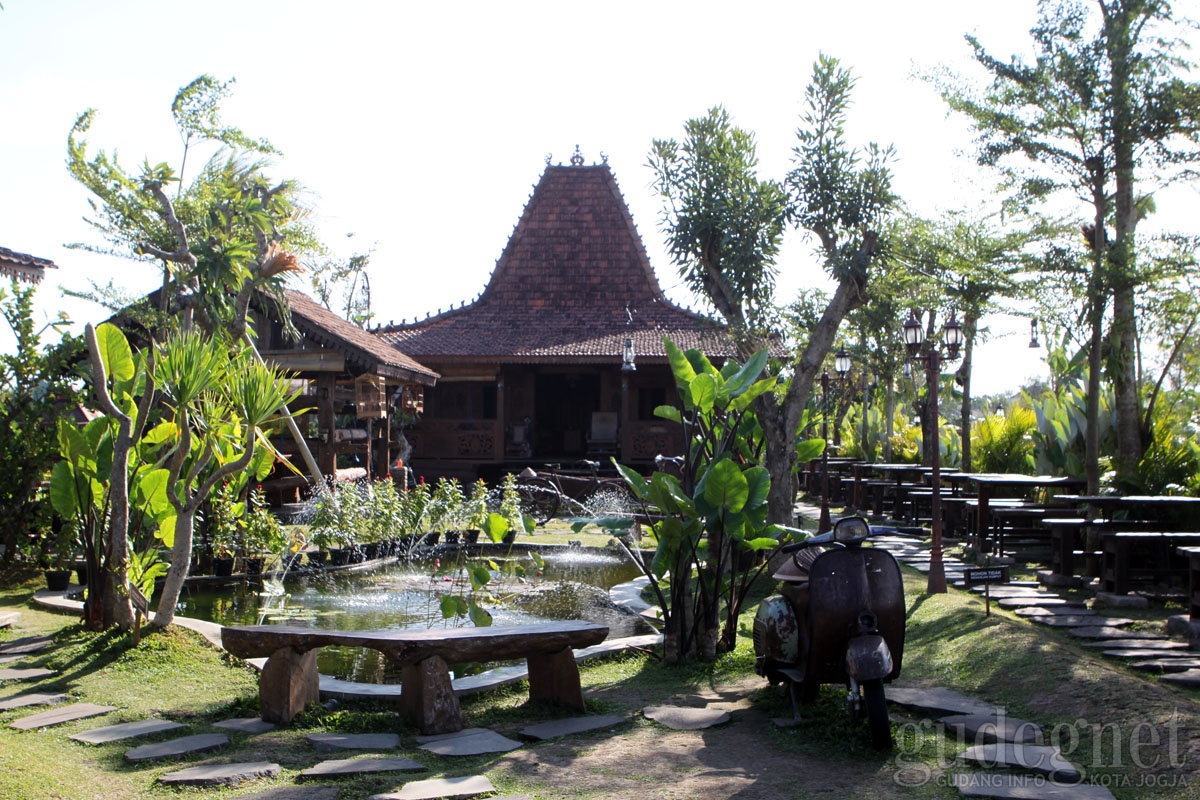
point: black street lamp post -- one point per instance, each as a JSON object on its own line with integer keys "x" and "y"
{"x": 841, "y": 365}
{"x": 931, "y": 354}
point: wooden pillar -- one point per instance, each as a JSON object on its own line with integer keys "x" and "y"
{"x": 326, "y": 455}
{"x": 289, "y": 681}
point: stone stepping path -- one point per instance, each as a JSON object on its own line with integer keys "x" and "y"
{"x": 1189, "y": 678}
{"x": 25, "y": 645}
{"x": 1161, "y": 664}
{"x": 992, "y": 727}
{"x": 1078, "y": 621}
{"x": 222, "y": 774}
{"x": 200, "y": 743}
{"x": 1108, "y": 632}
{"x": 297, "y": 793}
{"x": 1024, "y": 787}
{"x": 9, "y": 618}
{"x": 1046, "y": 601}
{"x": 936, "y": 700}
{"x": 126, "y": 730}
{"x": 360, "y": 766}
{"x": 57, "y": 716}
{"x": 1160, "y": 644}
{"x": 10, "y": 659}
{"x": 1008, "y": 590}
{"x": 31, "y": 699}
{"x": 468, "y": 742}
{"x": 1064, "y": 611}
{"x": 1135, "y": 653}
{"x": 250, "y": 725}
{"x": 567, "y": 727}
{"x": 24, "y": 674}
{"x": 1036, "y": 758}
{"x": 468, "y": 786}
{"x": 682, "y": 718}
{"x": 354, "y": 741}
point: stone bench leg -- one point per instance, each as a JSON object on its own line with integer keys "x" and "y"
{"x": 288, "y": 683}
{"x": 427, "y": 697}
{"x": 554, "y": 678}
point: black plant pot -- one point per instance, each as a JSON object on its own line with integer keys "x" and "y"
{"x": 252, "y": 566}
{"x": 340, "y": 556}
{"x": 316, "y": 558}
{"x": 431, "y": 539}
{"x": 373, "y": 550}
{"x": 471, "y": 536}
{"x": 58, "y": 580}
{"x": 222, "y": 567}
{"x": 81, "y": 573}
{"x": 452, "y": 537}
{"x": 509, "y": 537}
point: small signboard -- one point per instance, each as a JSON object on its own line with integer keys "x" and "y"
{"x": 140, "y": 603}
{"x": 974, "y": 577}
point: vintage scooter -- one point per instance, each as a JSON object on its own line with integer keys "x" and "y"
{"x": 839, "y": 618}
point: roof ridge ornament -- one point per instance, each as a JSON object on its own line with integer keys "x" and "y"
{"x": 577, "y": 158}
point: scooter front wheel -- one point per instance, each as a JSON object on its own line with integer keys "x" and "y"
{"x": 878, "y": 723}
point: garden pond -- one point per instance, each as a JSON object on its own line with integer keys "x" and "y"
{"x": 523, "y": 586}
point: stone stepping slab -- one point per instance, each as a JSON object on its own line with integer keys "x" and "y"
{"x": 1048, "y": 601}
{"x": 222, "y": 774}
{"x": 1161, "y": 664}
{"x": 567, "y": 727}
{"x": 1079, "y": 621}
{"x": 186, "y": 745}
{"x": 359, "y": 766}
{"x": 936, "y": 700}
{"x": 354, "y": 741}
{"x": 10, "y": 659}
{"x": 468, "y": 742}
{"x": 297, "y": 793}
{"x": 57, "y": 716}
{"x": 245, "y": 725}
{"x": 992, "y": 727}
{"x": 1189, "y": 678}
{"x": 1064, "y": 611}
{"x": 1039, "y": 759}
{"x": 467, "y": 786}
{"x": 19, "y": 674}
{"x": 1161, "y": 644}
{"x": 126, "y": 730}
{"x": 1149, "y": 652}
{"x": 25, "y": 645}
{"x": 31, "y": 699}
{"x": 1107, "y": 632}
{"x": 682, "y": 718}
{"x": 1008, "y": 590}
{"x": 1008, "y": 786}
{"x": 8, "y": 618}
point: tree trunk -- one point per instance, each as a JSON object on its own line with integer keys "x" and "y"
{"x": 964, "y": 378}
{"x": 181, "y": 557}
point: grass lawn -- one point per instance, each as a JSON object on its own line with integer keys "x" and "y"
{"x": 1139, "y": 737}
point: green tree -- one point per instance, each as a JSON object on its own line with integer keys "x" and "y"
{"x": 1103, "y": 112}
{"x": 230, "y": 234}
{"x": 724, "y": 226}
{"x": 36, "y": 386}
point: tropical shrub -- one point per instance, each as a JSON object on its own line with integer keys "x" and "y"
{"x": 1004, "y": 442}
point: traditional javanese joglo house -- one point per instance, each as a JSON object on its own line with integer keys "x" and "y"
{"x": 22, "y": 267}
{"x": 561, "y": 357}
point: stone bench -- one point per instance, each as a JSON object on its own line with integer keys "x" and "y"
{"x": 289, "y": 680}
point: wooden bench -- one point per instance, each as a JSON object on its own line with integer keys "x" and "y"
{"x": 1155, "y": 553}
{"x": 289, "y": 680}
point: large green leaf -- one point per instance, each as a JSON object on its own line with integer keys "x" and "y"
{"x": 725, "y": 486}
{"x": 759, "y": 482}
{"x": 682, "y": 369}
{"x": 480, "y": 616}
{"x": 64, "y": 496}
{"x": 480, "y": 576}
{"x": 669, "y": 533}
{"x": 115, "y": 354}
{"x": 453, "y": 606}
{"x": 742, "y": 401}
{"x": 496, "y": 527}
{"x": 150, "y": 490}
{"x": 633, "y": 479}
{"x": 744, "y": 378}
{"x": 669, "y": 413}
{"x": 166, "y": 530}
{"x": 703, "y": 390}
{"x": 808, "y": 449}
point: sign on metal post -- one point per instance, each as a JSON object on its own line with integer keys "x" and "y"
{"x": 987, "y": 576}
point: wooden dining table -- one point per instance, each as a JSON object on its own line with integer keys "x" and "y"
{"x": 989, "y": 485}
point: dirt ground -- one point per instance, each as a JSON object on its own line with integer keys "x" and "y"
{"x": 744, "y": 758}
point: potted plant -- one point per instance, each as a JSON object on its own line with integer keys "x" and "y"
{"x": 475, "y": 511}
{"x": 263, "y": 536}
{"x": 447, "y": 504}
{"x": 336, "y": 522}
{"x": 224, "y": 522}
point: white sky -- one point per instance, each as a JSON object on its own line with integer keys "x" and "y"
{"x": 421, "y": 128}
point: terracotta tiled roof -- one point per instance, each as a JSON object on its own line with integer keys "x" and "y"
{"x": 573, "y": 283}
{"x": 323, "y": 326}
{"x": 23, "y": 267}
